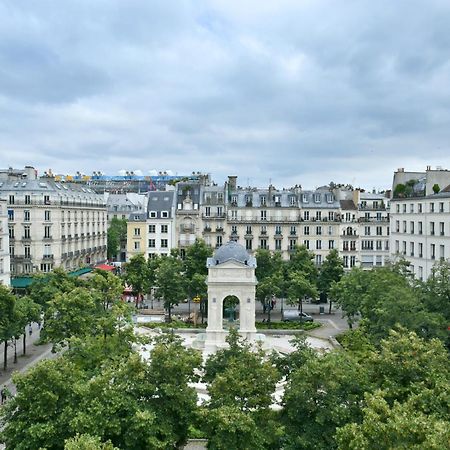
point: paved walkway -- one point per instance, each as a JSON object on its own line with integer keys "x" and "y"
{"x": 34, "y": 353}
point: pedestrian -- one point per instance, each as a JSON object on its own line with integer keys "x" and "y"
{"x": 3, "y": 395}
{"x": 30, "y": 329}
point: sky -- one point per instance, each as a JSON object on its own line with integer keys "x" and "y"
{"x": 274, "y": 91}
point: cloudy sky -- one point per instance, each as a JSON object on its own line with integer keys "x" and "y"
{"x": 287, "y": 91}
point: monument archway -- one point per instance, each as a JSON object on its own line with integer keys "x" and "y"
{"x": 231, "y": 273}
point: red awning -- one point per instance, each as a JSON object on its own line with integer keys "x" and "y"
{"x": 104, "y": 267}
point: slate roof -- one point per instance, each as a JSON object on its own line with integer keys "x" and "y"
{"x": 231, "y": 251}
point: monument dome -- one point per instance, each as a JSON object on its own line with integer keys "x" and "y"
{"x": 231, "y": 251}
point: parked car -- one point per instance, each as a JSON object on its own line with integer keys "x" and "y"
{"x": 292, "y": 315}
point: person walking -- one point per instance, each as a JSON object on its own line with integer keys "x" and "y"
{"x": 3, "y": 395}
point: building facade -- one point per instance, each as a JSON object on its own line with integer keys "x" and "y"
{"x": 5, "y": 270}
{"x": 51, "y": 224}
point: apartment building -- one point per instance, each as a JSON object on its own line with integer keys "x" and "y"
{"x": 51, "y": 224}
{"x": 136, "y": 235}
{"x": 160, "y": 223}
{"x": 4, "y": 244}
{"x": 373, "y": 218}
{"x": 420, "y": 231}
{"x": 120, "y": 206}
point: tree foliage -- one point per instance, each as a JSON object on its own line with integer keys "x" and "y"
{"x": 117, "y": 233}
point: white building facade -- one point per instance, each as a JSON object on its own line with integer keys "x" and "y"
{"x": 5, "y": 271}
{"x": 52, "y": 224}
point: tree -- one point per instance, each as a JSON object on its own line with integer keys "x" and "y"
{"x": 137, "y": 275}
{"x": 401, "y": 426}
{"x": 268, "y": 288}
{"x": 87, "y": 442}
{"x": 7, "y": 319}
{"x": 331, "y": 271}
{"x": 241, "y": 382}
{"x": 436, "y": 188}
{"x": 302, "y": 260}
{"x": 324, "y": 393}
{"x": 27, "y": 311}
{"x": 117, "y": 233}
{"x": 44, "y": 287}
{"x": 436, "y": 290}
{"x": 196, "y": 256}
{"x": 300, "y": 287}
{"x": 171, "y": 283}
{"x": 71, "y": 315}
{"x": 108, "y": 286}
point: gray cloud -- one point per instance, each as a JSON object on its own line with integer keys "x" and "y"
{"x": 296, "y": 92}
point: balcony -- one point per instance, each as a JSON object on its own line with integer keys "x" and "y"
{"x": 207, "y": 230}
{"x": 219, "y": 229}
{"x": 47, "y": 257}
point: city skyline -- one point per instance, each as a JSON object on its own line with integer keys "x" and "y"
{"x": 284, "y": 92}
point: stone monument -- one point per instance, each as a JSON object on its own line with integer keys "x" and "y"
{"x": 231, "y": 272}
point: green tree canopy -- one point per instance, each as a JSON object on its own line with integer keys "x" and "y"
{"x": 117, "y": 233}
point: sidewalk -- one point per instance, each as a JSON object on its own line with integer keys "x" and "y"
{"x": 34, "y": 353}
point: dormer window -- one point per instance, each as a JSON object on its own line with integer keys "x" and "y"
{"x": 330, "y": 198}
{"x": 292, "y": 200}
{"x": 263, "y": 200}
{"x": 153, "y": 214}
{"x": 305, "y": 198}
{"x": 316, "y": 198}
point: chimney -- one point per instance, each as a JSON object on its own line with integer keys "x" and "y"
{"x": 232, "y": 182}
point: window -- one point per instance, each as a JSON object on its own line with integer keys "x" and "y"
{"x": 233, "y": 229}
{"x": 47, "y": 250}
{"x": 352, "y": 261}
{"x": 331, "y": 215}
{"x": 263, "y": 243}
{"x": 27, "y": 251}
{"x": 441, "y": 228}
{"x": 367, "y": 231}
{"x": 26, "y": 216}
{"x": 234, "y": 200}
{"x": 345, "y": 261}
{"x": 441, "y": 207}
{"x": 379, "y": 231}
{"x": 26, "y": 232}
{"x": 137, "y": 231}
{"x": 316, "y": 198}
{"x": 306, "y": 231}
{"x": 263, "y": 215}
{"x": 263, "y": 229}
{"x": 278, "y": 230}
{"x": 305, "y": 215}
{"x": 46, "y": 199}
{"x": 164, "y": 243}
{"x": 152, "y": 214}
{"x": 441, "y": 252}
{"x": 292, "y": 200}
{"x": 248, "y": 230}
{"x": 318, "y": 231}
{"x": 404, "y": 226}
{"x": 433, "y": 251}
{"x": 152, "y": 228}
{"x": 164, "y": 214}
{"x": 398, "y": 208}
{"x": 248, "y": 244}
{"x": 47, "y": 232}
{"x": 420, "y": 227}
{"x": 411, "y": 227}
{"x": 233, "y": 214}
{"x": 11, "y": 232}
{"x": 404, "y": 247}
{"x": 11, "y": 199}
{"x": 420, "y": 250}
{"x": 293, "y": 230}
{"x": 432, "y": 228}
{"x": 164, "y": 228}
{"x": 11, "y": 214}
{"x": 318, "y": 245}
{"x": 137, "y": 245}
{"x": 219, "y": 211}
{"x": 318, "y": 215}
{"x": 218, "y": 241}
{"x": 292, "y": 244}
{"x": 404, "y": 207}
{"x": 306, "y": 244}
{"x": 379, "y": 245}
{"x": 152, "y": 243}
{"x": 263, "y": 200}
{"x": 330, "y": 245}
{"x": 207, "y": 211}
{"x": 419, "y": 207}
{"x": 318, "y": 260}
{"x": 278, "y": 244}
{"x": 431, "y": 207}
{"x": 411, "y": 207}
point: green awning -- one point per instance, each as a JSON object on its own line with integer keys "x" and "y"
{"x": 24, "y": 282}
